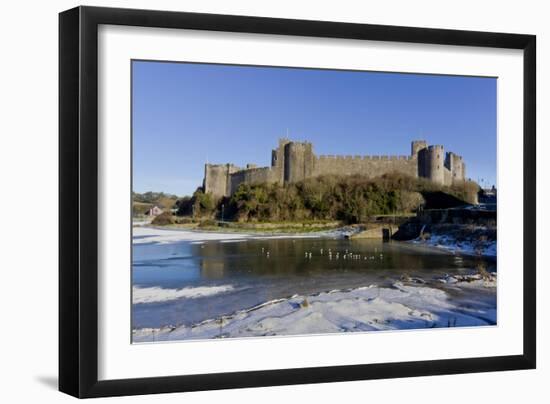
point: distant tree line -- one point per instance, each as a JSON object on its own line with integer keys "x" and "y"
{"x": 152, "y": 197}
{"x": 351, "y": 199}
{"x": 141, "y": 203}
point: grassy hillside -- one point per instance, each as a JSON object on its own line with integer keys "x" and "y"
{"x": 139, "y": 208}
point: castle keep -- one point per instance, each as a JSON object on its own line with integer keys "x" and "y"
{"x": 295, "y": 161}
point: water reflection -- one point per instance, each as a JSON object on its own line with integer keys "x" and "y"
{"x": 259, "y": 258}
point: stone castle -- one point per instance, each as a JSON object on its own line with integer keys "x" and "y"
{"x": 295, "y": 161}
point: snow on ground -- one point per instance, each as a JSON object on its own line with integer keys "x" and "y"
{"x": 157, "y": 294}
{"x": 145, "y": 235}
{"x": 488, "y": 280}
{"x": 139, "y": 223}
{"x": 371, "y": 308}
{"x": 487, "y": 249}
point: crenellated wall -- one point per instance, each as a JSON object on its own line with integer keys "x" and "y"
{"x": 371, "y": 166}
{"x": 295, "y": 161}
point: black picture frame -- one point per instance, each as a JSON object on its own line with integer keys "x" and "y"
{"x": 78, "y": 201}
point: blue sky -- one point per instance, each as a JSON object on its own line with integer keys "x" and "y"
{"x": 187, "y": 114}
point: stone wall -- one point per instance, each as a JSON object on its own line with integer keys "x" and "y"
{"x": 251, "y": 176}
{"x": 217, "y": 179}
{"x": 371, "y": 166}
{"x": 447, "y": 176}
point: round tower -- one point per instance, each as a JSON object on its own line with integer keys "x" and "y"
{"x": 298, "y": 161}
{"x": 457, "y": 168}
{"x": 435, "y": 164}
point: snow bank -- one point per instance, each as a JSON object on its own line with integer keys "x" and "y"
{"x": 363, "y": 309}
{"x": 156, "y": 294}
{"x": 488, "y": 280}
{"x": 145, "y": 235}
{"x": 487, "y": 249}
{"x": 138, "y": 223}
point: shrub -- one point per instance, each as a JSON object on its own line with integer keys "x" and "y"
{"x": 163, "y": 219}
{"x": 184, "y": 206}
{"x": 353, "y": 199}
{"x": 410, "y": 201}
{"x": 207, "y": 223}
{"x": 481, "y": 269}
{"x": 183, "y": 220}
{"x": 466, "y": 190}
{"x": 199, "y": 205}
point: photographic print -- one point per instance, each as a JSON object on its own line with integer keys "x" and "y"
{"x": 275, "y": 201}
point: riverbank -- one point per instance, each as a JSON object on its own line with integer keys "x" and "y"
{"x": 475, "y": 244}
{"x": 408, "y": 304}
{"x": 282, "y": 227}
{"x": 461, "y": 239}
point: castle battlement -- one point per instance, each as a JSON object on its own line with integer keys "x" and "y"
{"x": 366, "y": 157}
{"x": 295, "y": 161}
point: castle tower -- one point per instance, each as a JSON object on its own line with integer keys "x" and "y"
{"x": 215, "y": 180}
{"x": 298, "y": 161}
{"x": 434, "y": 164}
{"x": 458, "y": 169}
{"x": 455, "y": 164}
{"x": 416, "y": 146}
{"x": 278, "y": 160}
